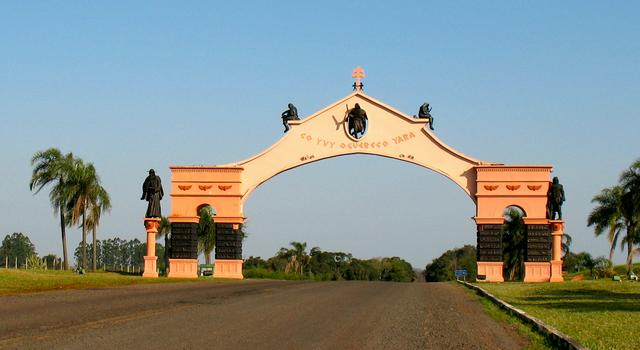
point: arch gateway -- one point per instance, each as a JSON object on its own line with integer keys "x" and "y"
{"x": 389, "y": 133}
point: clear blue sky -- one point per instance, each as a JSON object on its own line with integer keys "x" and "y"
{"x": 136, "y": 85}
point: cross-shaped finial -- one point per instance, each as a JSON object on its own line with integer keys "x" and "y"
{"x": 358, "y": 74}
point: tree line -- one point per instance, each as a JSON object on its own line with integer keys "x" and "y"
{"x": 113, "y": 254}
{"x": 296, "y": 263}
{"x": 116, "y": 254}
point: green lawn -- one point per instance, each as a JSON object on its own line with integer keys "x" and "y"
{"x": 600, "y": 314}
{"x": 26, "y": 281}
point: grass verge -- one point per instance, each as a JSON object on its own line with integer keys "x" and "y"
{"x": 536, "y": 340}
{"x": 29, "y": 281}
{"x": 600, "y": 314}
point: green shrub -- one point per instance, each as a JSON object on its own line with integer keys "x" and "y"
{"x": 35, "y": 263}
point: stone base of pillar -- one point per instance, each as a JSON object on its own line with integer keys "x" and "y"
{"x": 183, "y": 268}
{"x": 492, "y": 271}
{"x": 150, "y": 270}
{"x": 228, "y": 269}
{"x": 537, "y": 271}
{"x": 556, "y": 271}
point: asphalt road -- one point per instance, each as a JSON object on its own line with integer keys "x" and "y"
{"x": 254, "y": 315}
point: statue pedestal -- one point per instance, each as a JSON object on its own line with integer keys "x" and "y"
{"x": 537, "y": 271}
{"x": 150, "y": 270}
{"x": 492, "y": 270}
{"x": 150, "y": 260}
{"x": 228, "y": 269}
{"x": 556, "y": 272}
{"x": 557, "y": 230}
{"x": 183, "y": 268}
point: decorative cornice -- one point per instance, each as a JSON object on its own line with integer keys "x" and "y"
{"x": 224, "y": 187}
{"x": 512, "y": 187}
{"x": 491, "y": 187}
{"x": 501, "y": 168}
{"x": 204, "y": 187}
{"x": 534, "y": 187}
{"x": 205, "y": 169}
{"x": 184, "y": 187}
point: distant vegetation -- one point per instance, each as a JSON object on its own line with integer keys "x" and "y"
{"x": 116, "y": 254}
{"x": 16, "y": 249}
{"x": 443, "y": 268}
{"x": 295, "y": 263}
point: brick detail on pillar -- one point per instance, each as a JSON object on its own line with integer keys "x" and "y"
{"x": 184, "y": 240}
{"x": 489, "y": 243}
{"x": 538, "y": 243}
{"x": 228, "y": 242}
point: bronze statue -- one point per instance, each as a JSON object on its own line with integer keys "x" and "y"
{"x": 425, "y": 113}
{"x": 152, "y": 192}
{"x": 357, "y": 121}
{"x": 555, "y": 198}
{"x": 290, "y": 114}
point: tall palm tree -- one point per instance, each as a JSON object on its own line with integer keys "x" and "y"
{"x": 52, "y": 167}
{"x": 163, "y": 231}
{"x": 299, "y": 257}
{"x": 515, "y": 243}
{"x": 630, "y": 182}
{"x": 99, "y": 202}
{"x": 82, "y": 188}
{"x": 607, "y": 215}
{"x": 206, "y": 233}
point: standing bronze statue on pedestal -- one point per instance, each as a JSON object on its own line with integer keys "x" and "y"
{"x": 555, "y": 198}
{"x": 152, "y": 192}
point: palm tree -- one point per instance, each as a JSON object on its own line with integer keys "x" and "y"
{"x": 607, "y": 215}
{"x": 630, "y": 182}
{"x": 618, "y": 210}
{"x": 82, "y": 190}
{"x": 299, "y": 257}
{"x": 51, "y": 167}
{"x": 99, "y": 202}
{"x": 206, "y": 233}
{"x": 514, "y": 240}
{"x": 163, "y": 231}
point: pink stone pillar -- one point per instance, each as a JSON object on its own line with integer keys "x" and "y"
{"x": 557, "y": 230}
{"x": 150, "y": 260}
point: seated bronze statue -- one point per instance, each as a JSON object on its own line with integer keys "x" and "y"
{"x": 425, "y": 113}
{"x": 290, "y": 114}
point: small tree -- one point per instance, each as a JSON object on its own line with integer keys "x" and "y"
{"x": 515, "y": 242}
{"x": 206, "y": 233}
{"x": 164, "y": 230}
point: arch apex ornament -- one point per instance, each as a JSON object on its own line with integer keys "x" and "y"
{"x": 391, "y": 134}
{"x": 358, "y": 74}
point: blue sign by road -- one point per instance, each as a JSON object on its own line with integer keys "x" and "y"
{"x": 461, "y": 272}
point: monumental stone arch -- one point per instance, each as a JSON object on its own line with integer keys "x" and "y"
{"x": 389, "y": 133}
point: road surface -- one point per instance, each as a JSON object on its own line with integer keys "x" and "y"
{"x": 254, "y": 314}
